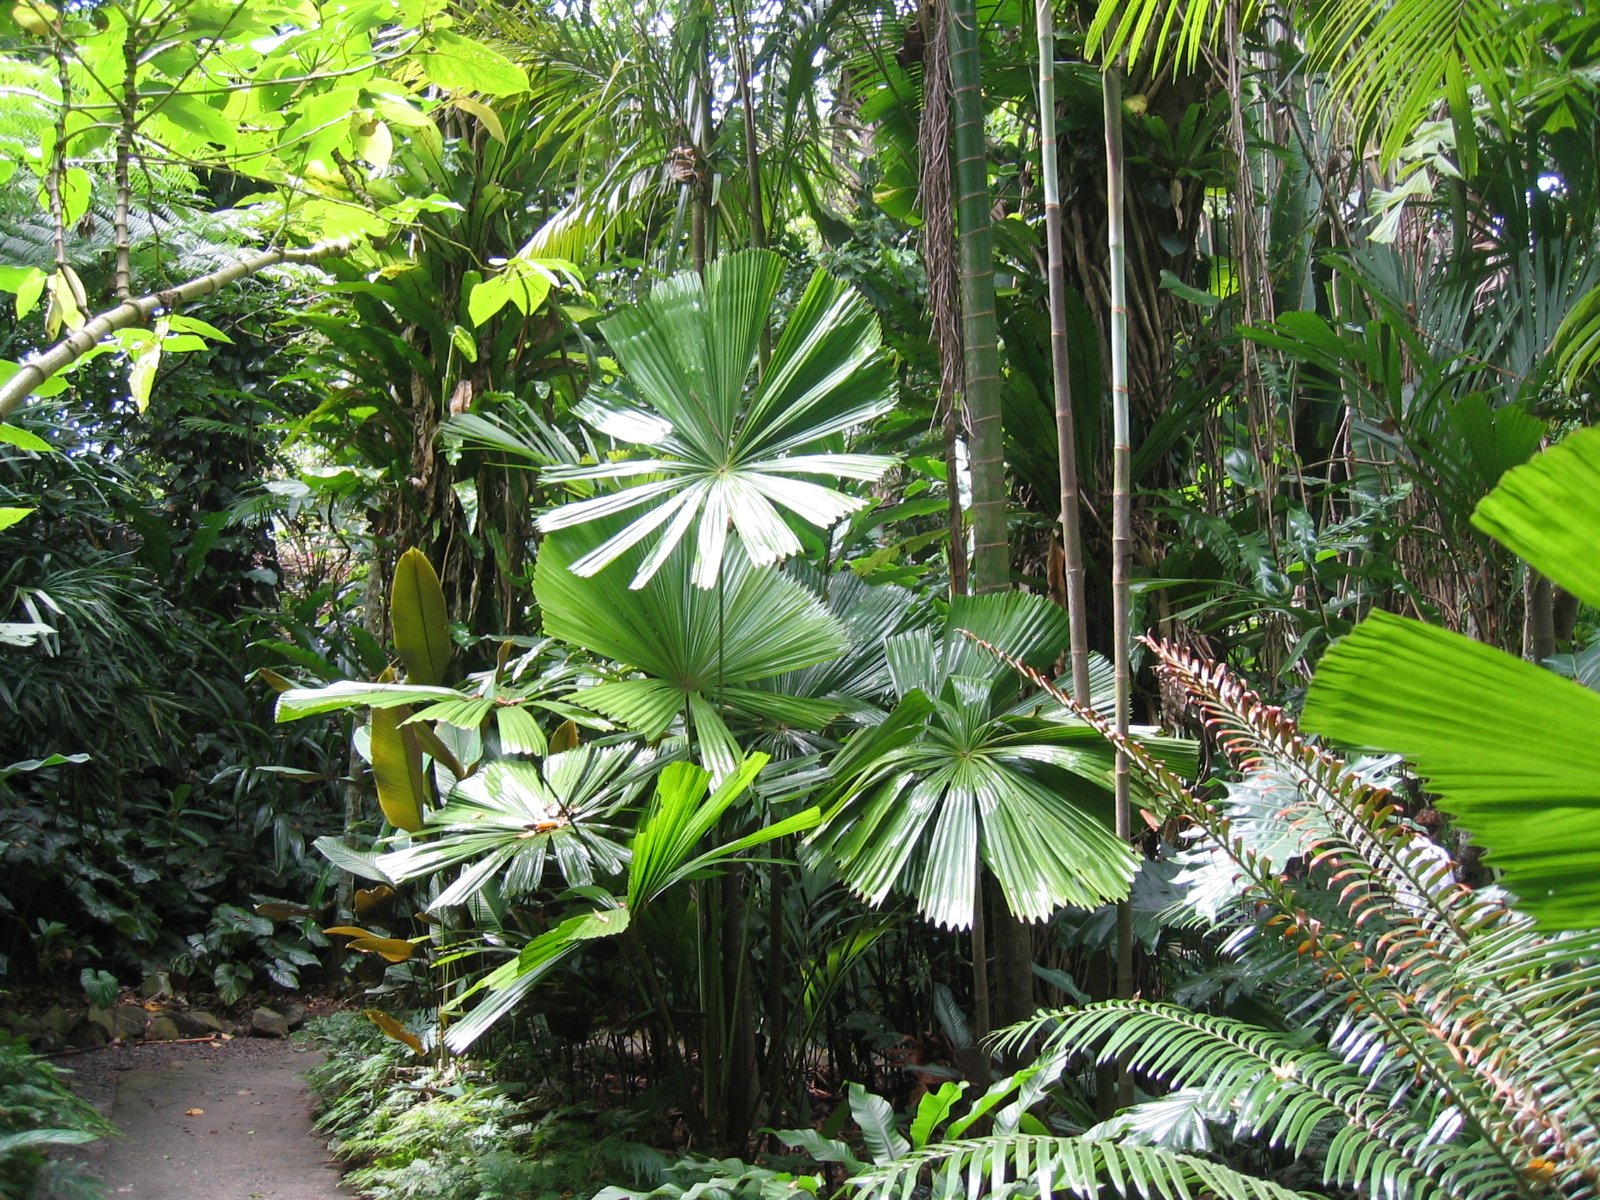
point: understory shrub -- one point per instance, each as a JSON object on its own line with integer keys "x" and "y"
{"x": 37, "y": 1111}
{"x": 412, "y": 1130}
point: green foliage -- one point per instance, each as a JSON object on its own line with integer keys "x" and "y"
{"x": 37, "y": 1112}
{"x": 423, "y": 1133}
{"x": 724, "y": 457}
{"x": 1450, "y": 1047}
{"x": 962, "y": 772}
{"x": 1397, "y": 684}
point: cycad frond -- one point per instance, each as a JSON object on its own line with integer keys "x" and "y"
{"x": 1269, "y": 1084}
{"x": 1404, "y": 962}
{"x": 1022, "y": 1164}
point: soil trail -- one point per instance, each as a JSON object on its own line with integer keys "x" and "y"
{"x": 216, "y": 1121}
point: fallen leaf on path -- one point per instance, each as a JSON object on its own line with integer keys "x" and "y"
{"x": 194, "y": 1112}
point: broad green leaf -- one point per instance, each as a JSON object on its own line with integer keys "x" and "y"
{"x": 397, "y": 769}
{"x": 509, "y": 984}
{"x": 756, "y": 625}
{"x": 1547, "y": 511}
{"x": 297, "y": 703}
{"x": 519, "y": 732}
{"x": 1512, "y": 750}
{"x": 421, "y": 621}
{"x": 10, "y": 516}
{"x": 461, "y": 64}
{"x": 876, "y": 1119}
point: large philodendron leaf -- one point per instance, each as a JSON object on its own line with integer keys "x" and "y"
{"x": 1513, "y": 750}
{"x": 724, "y": 454}
{"x": 1547, "y": 511}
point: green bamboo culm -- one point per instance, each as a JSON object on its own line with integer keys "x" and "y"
{"x": 991, "y": 560}
{"x": 1060, "y": 359}
{"x": 1121, "y": 511}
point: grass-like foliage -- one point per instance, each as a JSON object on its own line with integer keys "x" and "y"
{"x": 37, "y": 1112}
{"x": 1450, "y": 1050}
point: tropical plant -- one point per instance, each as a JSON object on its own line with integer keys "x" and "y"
{"x": 701, "y": 653}
{"x": 38, "y": 1111}
{"x": 1451, "y": 1047}
{"x": 1528, "y": 793}
{"x": 965, "y": 771}
{"x": 727, "y": 455}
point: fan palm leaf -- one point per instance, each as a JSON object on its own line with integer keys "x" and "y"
{"x": 726, "y": 457}
{"x": 699, "y": 652}
{"x": 960, "y": 774}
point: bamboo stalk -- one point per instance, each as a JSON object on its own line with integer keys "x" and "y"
{"x": 1121, "y": 514}
{"x": 1060, "y": 355}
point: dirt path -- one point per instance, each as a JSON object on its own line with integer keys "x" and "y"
{"x": 222, "y": 1121}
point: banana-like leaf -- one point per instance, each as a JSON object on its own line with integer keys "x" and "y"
{"x": 421, "y": 621}
{"x": 721, "y": 463}
{"x": 403, "y": 790}
{"x": 1512, "y": 750}
{"x": 297, "y": 703}
{"x": 1547, "y": 511}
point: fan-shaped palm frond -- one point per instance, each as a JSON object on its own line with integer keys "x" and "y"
{"x": 699, "y": 651}
{"x": 724, "y": 458}
{"x": 960, "y": 773}
{"x": 509, "y": 819}
{"x": 1521, "y": 773}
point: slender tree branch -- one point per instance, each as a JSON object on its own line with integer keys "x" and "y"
{"x": 39, "y": 367}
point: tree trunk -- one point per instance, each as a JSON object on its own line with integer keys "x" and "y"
{"x": 991, "y": 559}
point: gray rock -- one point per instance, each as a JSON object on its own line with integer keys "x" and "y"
{"x": 59, "y": 1021}
{"x": 156, "y": 985}
{"x": 196, "y": 1022}
{"x": 89, "y": 1033}
{"x": 128, "y": 1021}
{"x": 101, "y": 1019}
{"x": 163, "y": 1029}
{"x": 266, "y": 1023}
{"x": 294, "y": 1014}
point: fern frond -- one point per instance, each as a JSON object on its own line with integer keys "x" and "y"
{"x": 1272, "y": 1085}
{"x": 1395, "y": 942}
{"x": 1033, "y": 1165}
